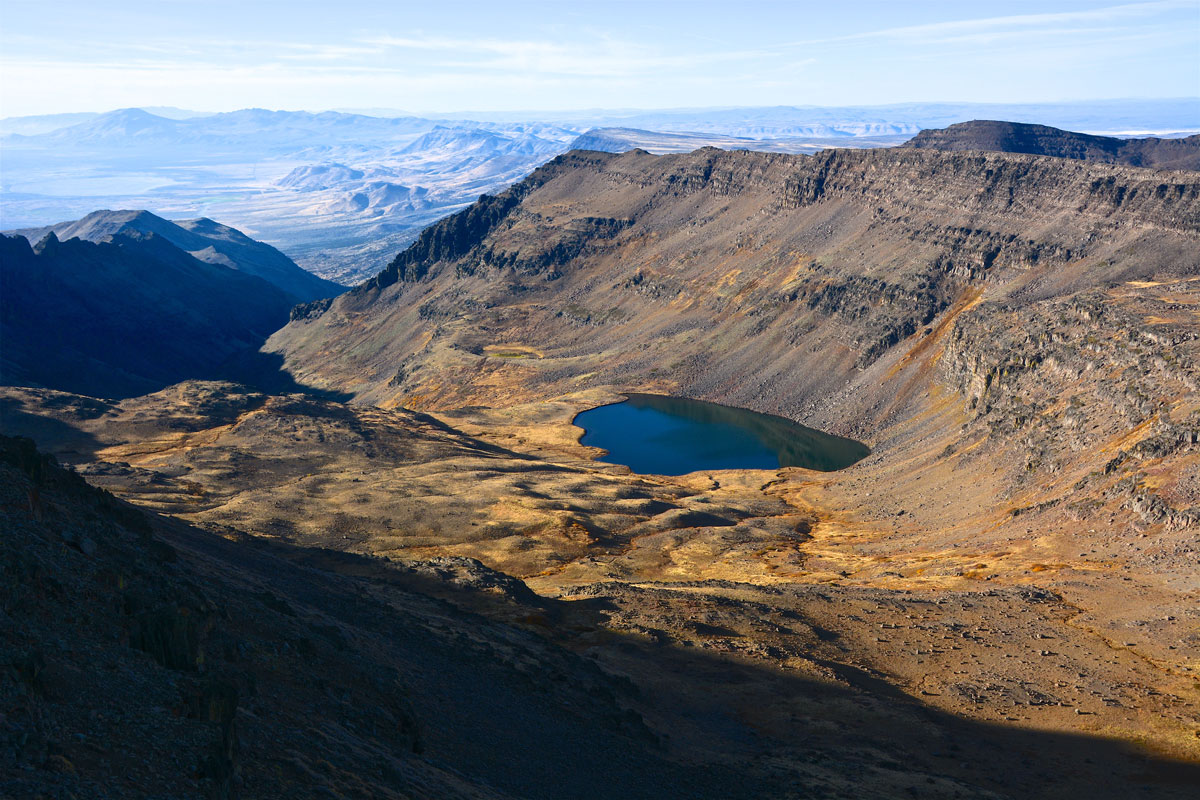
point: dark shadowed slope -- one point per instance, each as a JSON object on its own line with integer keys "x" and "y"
{"x": 148, "y": 657}
{"x": 204, "y": 239}
{"x": 144, "y": 657}
{"x": 124, "y": 316}
{"x": 1040, "y": 140}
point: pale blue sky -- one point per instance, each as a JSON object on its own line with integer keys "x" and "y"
{"x": 432, "y": 56}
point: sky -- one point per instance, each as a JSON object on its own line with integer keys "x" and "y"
{"x": 443, "y": 55}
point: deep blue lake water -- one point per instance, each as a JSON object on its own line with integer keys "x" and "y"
{"x": 655, "y": 434}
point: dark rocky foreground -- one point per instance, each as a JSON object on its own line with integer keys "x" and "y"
{"x": 143, "y": 657}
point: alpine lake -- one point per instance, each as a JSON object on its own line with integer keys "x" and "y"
{"x": 661, "y": 435}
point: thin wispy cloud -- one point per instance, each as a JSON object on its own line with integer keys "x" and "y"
{"x": 595, "y": 58}
{"x": 599, "y": 56}
{"x": 492, "y": 57}
{"x": 963, "y": 30}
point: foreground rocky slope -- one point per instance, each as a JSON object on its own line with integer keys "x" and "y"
{"x": 231, "y": 665}
{"x": 143, "y": 657}
{"x": 1041, "y": 140}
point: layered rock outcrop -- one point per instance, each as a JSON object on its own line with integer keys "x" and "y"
{"x": 788, "y": 284}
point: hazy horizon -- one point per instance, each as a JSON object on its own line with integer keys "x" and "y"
{"x": 562, "y": 113}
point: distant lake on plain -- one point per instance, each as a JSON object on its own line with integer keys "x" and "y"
{"x": 656, "y": 434}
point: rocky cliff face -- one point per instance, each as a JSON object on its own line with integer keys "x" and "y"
{"x": 1041, "y": 140}
{"x": 1099, "y": 386}
{"x": 789, "y": 284}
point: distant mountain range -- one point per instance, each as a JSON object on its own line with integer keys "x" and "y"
{"x": 620, "y": 140}
{"x": 345, "y": 190}
{"x": 1121, "y": 116}
{"x": 47, "y": 123}
{"x": 1016, "y": 137}
{"x": 123, "y": 303}
{"x": 480, "y": 140}
{"x": 260, "y": 129}
{"x": 340, "y": 192}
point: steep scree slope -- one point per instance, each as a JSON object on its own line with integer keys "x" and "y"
{"x": 787, "y": 284}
